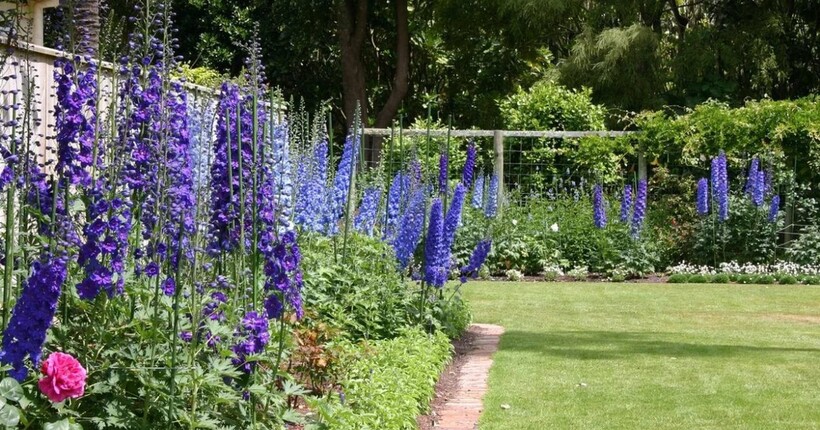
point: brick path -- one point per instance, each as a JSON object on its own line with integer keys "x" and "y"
{"x": 462, "y": 410}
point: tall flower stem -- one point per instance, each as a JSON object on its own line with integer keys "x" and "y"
{"x": 350, "y": 188}
{"x": 9, "y": 251}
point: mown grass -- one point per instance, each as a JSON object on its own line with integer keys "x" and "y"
{"x": 649, "y": 356}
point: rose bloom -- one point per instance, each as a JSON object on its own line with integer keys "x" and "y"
{"x": 65, "y": 377}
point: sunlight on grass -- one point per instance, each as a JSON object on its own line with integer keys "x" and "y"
{"x": 651, "y": 356}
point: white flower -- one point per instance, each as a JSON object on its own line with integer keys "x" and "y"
{"x": 515, "y": 222}
{"x": 554, "y": 227}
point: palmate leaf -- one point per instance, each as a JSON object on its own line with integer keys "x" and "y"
{"x": 9, "y": 416}
{"x": 11, "y": 389}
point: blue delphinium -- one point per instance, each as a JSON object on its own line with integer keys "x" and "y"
{"x": 396, "y": 201}
{"x": 491, "y": 202}
{"x": 33, "y": 314}
{"x": 434, "y": 253}
{"x": 281, "y": 170}
{"x": 774, "y": 208}
{"x": 443, "y": 173}
{"x": 453, "y": 219}
{"x": 410, "y": 229}
{"x": 626, "y": 203}
{"x": 341, "y": 182}
{"x": 368, "y": 211}
{"x": 752, "y": 177}
{"x": 639, "y": 213}
{"x": 722, "y": 187}
{"x": 598, "y": 206}
{"x": 478, "y": 257}
{"x": 469, "y": 166}
{"x": 478, "y": 193}
{"x": 759, "y": 189}
{"x": 311, "y": 209}
{"x": 703, "y": 196}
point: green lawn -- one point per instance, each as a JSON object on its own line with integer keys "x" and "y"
{"x": 647, "y": 356}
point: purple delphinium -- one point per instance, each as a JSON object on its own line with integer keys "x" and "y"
{"x": 598, "y": 209}
{"x": 410, "y": 229}
{"x": 477, "y": 200}
{"x": 703, "y": 196}
{"x": 179, "y": 204}
{"x": 626, "y": 203}
{"x": 104, "y": 247}
{"x": 639, "y": 213}
{"x": 253, "y": 336}
{"x": 469, "y": 166}
{"x": 774, "y": 208}
{"x": 443, "y": 174}
{"x": 224, "y": 171}
{"x": 368, "y": 211}
{"x": 434, "y": 266}
{"x": 341, "y": 182}
{"x": 33, "y": 314}
{"x": 491, "y": 202}
{"x": 75, "y": 119}
{"x": 478, "y": 257}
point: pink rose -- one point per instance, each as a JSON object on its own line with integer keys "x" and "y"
{"x": 65, "y": 377}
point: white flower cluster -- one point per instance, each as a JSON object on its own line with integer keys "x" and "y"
{"x": 554, "y": 269}
{"x": 735, "y": 268}
{"x": 514, "y": 275}
{"x": 690, "y": 269}
{"x": 578, "y": 273}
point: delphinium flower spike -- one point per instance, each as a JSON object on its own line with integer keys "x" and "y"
{"x": 626, "y": 203}
{"x": 599, "y": 211}
{"x": 469, "y": 166}
{"x": 703, "y": 196}
{"x": 639, "y": 214}
{"x": 491, "y": 202}
{"x": 477, "y": 200}
{"x": 368, "y": 211}
{"x": 434, "y": 246}
{"x": 774, "y": 207}
{"x": 410, "y": 229}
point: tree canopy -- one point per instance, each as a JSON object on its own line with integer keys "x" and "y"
{"x": 464, "y": 57}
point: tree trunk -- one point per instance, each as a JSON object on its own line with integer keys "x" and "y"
{"x": 86, "y": 15}
{"x": 400, "y": 79}
{"x": 352, "y": 28}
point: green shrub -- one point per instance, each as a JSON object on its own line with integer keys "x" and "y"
{"x": 812, "y": 280}
{"x": 764, "y": 279}
{"x": 699, "y": 279}
{"x": 734, "y": 277}
{"x": 678, "y": 278}
{"x": 388, "y": 383}
{"x": 452, "y": 315}
{"x": 745, "y": 279}
{"x": 787, "y": 280}
{"x": 364, "y": 296}
{"x": 720, "y": 278}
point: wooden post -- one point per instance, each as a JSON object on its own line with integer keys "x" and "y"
{"x": 498, "y": 146}
{"x": 641, "y": 166}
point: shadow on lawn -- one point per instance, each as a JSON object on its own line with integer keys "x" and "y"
{"x": 604, "y": 345}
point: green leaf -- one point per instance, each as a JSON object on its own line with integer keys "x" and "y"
{"x": 10, "y": 389}
{"x": 62, "y": 425}
{"x": 9, "y": 416}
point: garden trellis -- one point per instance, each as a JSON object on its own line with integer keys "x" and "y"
{"x": 501, "y": 163}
